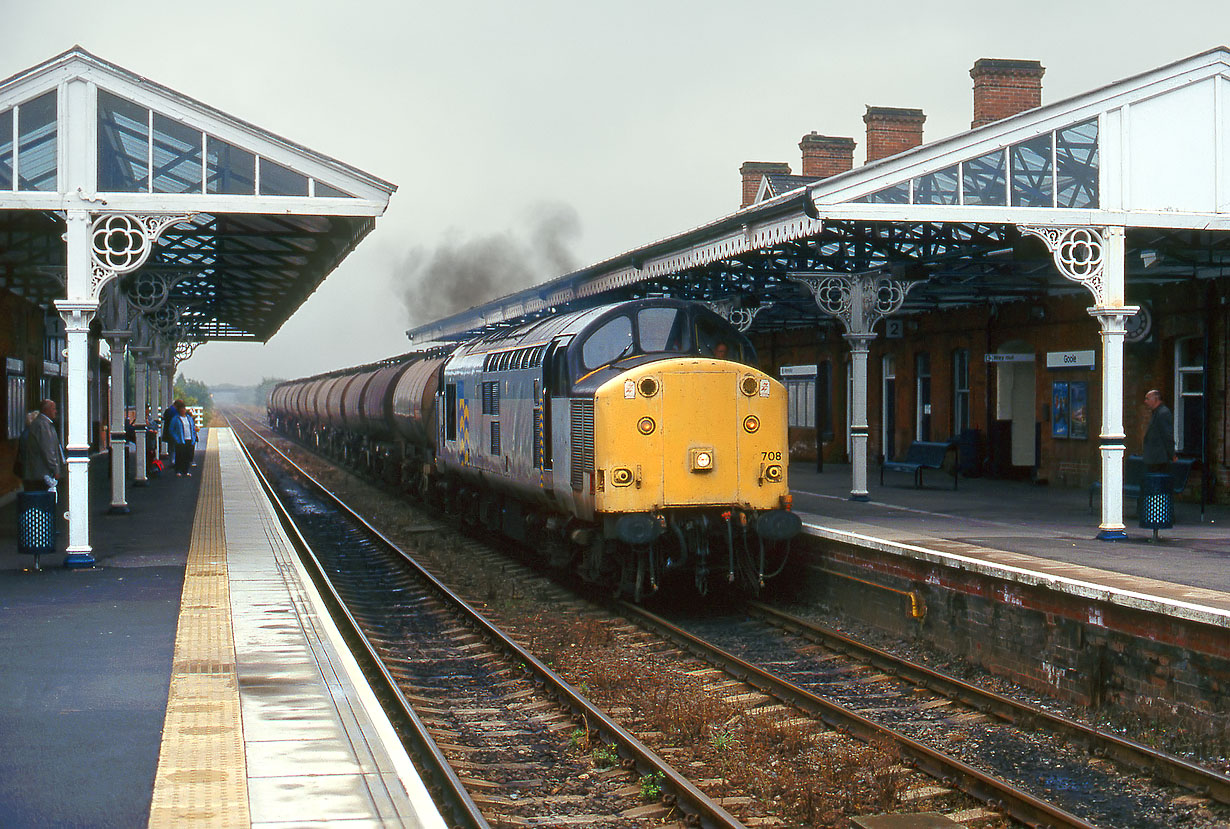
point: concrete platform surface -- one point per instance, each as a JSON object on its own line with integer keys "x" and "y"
{"x": 191, "y": 678}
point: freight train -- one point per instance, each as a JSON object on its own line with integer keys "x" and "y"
{"x": 632, "y": 442}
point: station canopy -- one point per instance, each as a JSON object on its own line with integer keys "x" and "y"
{"x": 267, "y": 219}
{"x": 1150, "y": 154}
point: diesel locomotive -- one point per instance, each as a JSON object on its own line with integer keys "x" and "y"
{"x": 632, "y": 442}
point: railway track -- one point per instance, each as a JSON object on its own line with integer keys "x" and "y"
{"x": 497, "y": 728}
{"x": 1038, "y": 767}
{"x": 944, "y": 713}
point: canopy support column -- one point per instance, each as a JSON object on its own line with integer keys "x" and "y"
{"x": 859, "y": 349}
{"x": 141, "y": 405}
{"x": 860, "y": 301}
{"x": 118, "y": 340}
{"x": 1094, "y": 258}
{"x": 77, "y": 311}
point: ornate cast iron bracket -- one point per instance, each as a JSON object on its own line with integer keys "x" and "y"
{"x": 120, "y": 243}
{"x": 858, "y": 300}
{"x": 1079, "y": 254}
{"x": 738, "y": 316}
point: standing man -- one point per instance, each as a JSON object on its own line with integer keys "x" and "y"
{"x": 44, "y": 459}
{"x": 1159, "y": 437}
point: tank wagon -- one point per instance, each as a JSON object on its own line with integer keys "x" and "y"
{"x": 631, "y": 442}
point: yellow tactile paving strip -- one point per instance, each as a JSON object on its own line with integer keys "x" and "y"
{"x": 202, "y": 774}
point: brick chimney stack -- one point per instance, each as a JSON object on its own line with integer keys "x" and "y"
{"x": 891, "y": 130}
{"x": 754, "y": 171}
{"x": 1005, "y": 87}
{"x": 826, "y": 155}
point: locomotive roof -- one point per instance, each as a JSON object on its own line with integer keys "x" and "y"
{"x": 574, "y": 322}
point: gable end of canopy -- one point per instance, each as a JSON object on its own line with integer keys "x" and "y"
{"x": 134, "y": 143}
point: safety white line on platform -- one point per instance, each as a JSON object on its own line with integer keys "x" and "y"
{"x": 320, "y": 750}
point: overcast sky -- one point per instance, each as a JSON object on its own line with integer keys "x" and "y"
{"x": 550, "y": 135}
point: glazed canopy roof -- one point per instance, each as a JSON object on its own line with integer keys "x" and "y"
{"x": 269, "y": 217}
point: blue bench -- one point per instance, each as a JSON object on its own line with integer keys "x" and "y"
{"x": 921, "y": 455}
{"x": 1134, "y": 474}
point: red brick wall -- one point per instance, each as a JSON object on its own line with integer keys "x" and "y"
{"x": 826, "y": 155}
{"x": 1076, "y": 648}
{"x": 1005, "y": 87}
{"x": 753, "y": 171}
{"x": 1056, "y": 324}
{"x": 891, "y": 130}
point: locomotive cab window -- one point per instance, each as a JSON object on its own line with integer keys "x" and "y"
{"x": 717, "y": 342}
{"x": 610, "y": 342}
{"x": 663, "y": 329}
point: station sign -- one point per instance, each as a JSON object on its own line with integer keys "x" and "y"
{"x": 1009, "y": 358}
{"x": 1071, "y": 359}
{"x": 798, "y": 371}
{"x": 14, "y": 365}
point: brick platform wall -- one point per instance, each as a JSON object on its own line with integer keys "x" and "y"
{"x": 1081, "y": 650}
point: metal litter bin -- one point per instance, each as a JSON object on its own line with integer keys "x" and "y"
{"x": 36, "y": 524}
{"x": 1156, "y": 509}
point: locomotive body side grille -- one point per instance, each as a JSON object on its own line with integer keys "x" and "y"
{"x": 582, "y": 441}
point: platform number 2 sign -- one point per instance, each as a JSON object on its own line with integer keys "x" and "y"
{"x": 894, "y": 329}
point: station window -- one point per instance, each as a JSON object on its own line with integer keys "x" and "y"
{"x": 229, "y": 170}
{"x": 37, "y": 145}
{"x": 16, "y": 405}
{"x": 6, "y": 150}
{"x": 800, "y": 383}
{"x": 277, "y": 180}
{"x": 1189, "y": 395}
{"x": 922, "y": 396}
{"x": 960, "y": 390}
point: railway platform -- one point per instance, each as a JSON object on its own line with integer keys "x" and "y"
{"x": 1022, "y": 532}
{"x": 191, "y": 678}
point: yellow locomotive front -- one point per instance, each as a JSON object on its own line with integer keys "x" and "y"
{"x": 690, "y": 459}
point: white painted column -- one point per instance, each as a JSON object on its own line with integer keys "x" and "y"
{"x": 859, "y": 301}
{"x": 157, "y": 404}
{"x": 1093, "y": 257}
{"x": 1112, "y": 315}
{"x": 77, "y": 311}
{"x": 140, "y": 404}
{"x": 859, "y": 348}
{"x": 118, "y": 340}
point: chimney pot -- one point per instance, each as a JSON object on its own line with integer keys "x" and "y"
{"x": 891, "y": 130}
{"x": 1005, "y": 87}
{"x": 826, "y": 155}
{"x": 754, "y": 171}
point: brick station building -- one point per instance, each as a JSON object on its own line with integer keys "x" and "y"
{"x": 1011, "y": 380}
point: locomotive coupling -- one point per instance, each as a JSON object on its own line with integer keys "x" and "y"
{"x": 637, "y": 529}
{"x": 778, "y": 525}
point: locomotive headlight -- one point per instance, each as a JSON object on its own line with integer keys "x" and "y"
{"x": 646, "y": 426}
{"x": 621, "y": 476}
{"x": 751, "y": 424}
{"x": 773, "y": 472}
{"x": 648, "y": 387}
{"x": 702, "y": 459}
{"x": 750, "y": 385}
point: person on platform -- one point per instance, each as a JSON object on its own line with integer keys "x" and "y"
{"x": 183, "y": 438}
{"x": 42, "y": 457}
{"x": 1158, "y": 450}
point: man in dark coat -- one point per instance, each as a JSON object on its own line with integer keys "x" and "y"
{"x": 1159, "y": 437}
{"x": 43, "y": 459}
